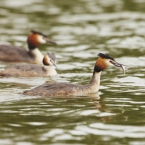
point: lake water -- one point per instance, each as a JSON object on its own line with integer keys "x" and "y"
{"x": 82, "y": 29}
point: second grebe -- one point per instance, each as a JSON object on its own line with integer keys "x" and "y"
{"x": 11, "y": 53}
{"x": 67, "y": 89}
{"x": 33, "y": 70}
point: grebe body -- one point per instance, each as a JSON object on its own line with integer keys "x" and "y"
{"x": 67, "y": 89}
{"x": 33, "y": 70}
{"x": 10, "y": 53}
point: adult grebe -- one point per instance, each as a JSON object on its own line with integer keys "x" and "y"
{"x": 66, "y": 89}
{"x": 11, "y": 53}
{"x": 33, "y": 70}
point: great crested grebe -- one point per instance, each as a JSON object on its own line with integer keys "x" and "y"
{"x": 60, "y": 89}
{"x": 33, "y": 70}
{"x": 11, "y": 53}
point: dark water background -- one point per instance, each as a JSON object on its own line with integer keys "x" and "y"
{"x": 82, "y": 28}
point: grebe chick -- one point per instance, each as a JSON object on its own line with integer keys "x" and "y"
{"x": 33, "y": 70}
{"x": 67, "y": 89}
{"x": 11, "y": 53}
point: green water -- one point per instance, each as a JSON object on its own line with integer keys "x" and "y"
{"x": 82, "y": 29}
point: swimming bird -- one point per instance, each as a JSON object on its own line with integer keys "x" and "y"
{"x": 11, "y": 53}
{"x": 33, "y": 70}
{"x": 60, "y": 89}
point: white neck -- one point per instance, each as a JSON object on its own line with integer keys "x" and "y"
{"x": 95, "y": 81}
{"x": 50, "y": 70}
{"x": 38, "y": 56}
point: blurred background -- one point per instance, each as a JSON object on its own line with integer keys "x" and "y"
{"x": 82, "y": 29}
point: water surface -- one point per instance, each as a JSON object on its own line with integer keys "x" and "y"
{"x": 82, "y": 29}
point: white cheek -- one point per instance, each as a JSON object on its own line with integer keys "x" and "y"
{"x": 49, "y": 62}
{"x": 40, "y": 39}
{"x": 108, "y": 62}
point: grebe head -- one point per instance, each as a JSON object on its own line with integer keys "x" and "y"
{"x": 49, "y": 59}
{"x": 104, "y": 61}
{"x": 37, "y": 38}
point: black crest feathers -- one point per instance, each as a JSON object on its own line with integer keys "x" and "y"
{"x": 107, "y": 56}
{"x": 36, "y": 32}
